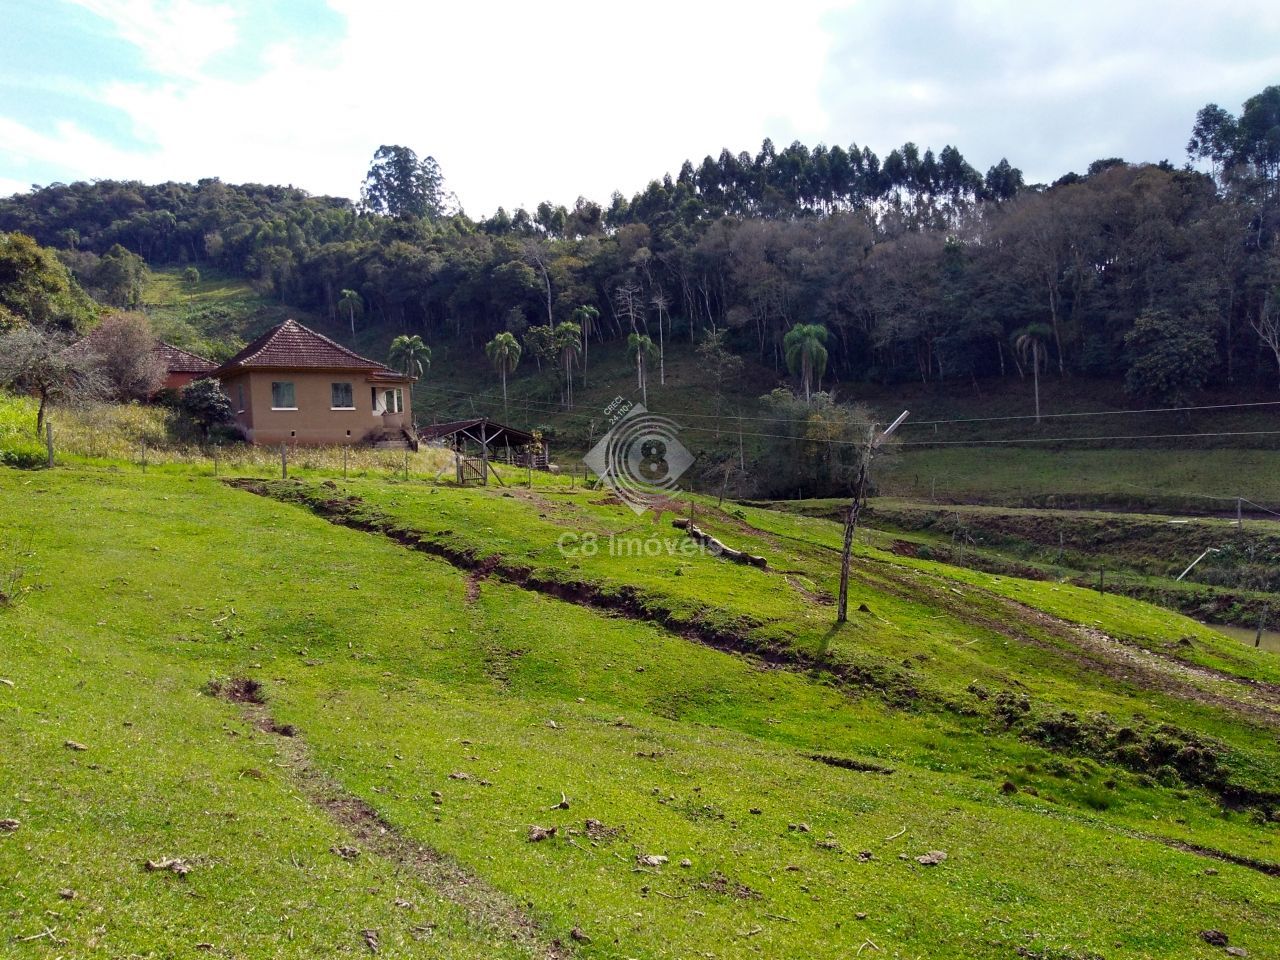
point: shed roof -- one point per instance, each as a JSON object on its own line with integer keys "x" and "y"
{"x": 291, "y": 346}
{"x": 494, "y": 433}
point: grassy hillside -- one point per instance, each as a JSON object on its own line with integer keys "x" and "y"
{"x": 436, "y": 678}
{"x": 213, "y": 316}
{"x": 219, "y": 313}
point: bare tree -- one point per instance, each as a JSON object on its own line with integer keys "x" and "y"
{"x": 533, "y": 252}
{"x": 1267, "y": 325}
{"x": 50, "y": 365}
{"x": 126, "y": 356}
{"x": 627, "y": 298}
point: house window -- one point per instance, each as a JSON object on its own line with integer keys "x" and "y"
{"x": 388, "y": 401}
{"x": 282, "y": 397}
{"x": 342, "y": 397}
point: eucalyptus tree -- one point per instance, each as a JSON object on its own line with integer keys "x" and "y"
{"x": 400, "y": 185}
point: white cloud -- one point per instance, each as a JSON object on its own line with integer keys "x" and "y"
{"x": 1050, "y": 87}
{"x": 522, "y": 102}
{"x": 175, "y": 37}
{"x": 519, "y": 102}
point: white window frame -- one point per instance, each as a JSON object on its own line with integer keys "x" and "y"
{"x": 351, "y": 389}
{"x": 293, "y": 389}
{"x": 380, "y": 400}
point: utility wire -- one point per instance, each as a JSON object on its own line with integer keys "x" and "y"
{"x": 552, "y": 406}
{"x": 911, "y": 443}
{"x": 1132, "y": 436}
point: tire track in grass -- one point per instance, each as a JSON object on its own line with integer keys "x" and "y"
{"x": 485, "y": 907}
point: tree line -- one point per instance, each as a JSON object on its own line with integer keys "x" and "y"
{"x": 914, "y": 266}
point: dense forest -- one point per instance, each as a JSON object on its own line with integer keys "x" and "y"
{"x": 914, "y": 266}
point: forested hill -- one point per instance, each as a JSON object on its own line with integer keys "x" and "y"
{"x": 916, "y": 266}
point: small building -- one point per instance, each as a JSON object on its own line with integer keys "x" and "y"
{"x": 480, "y": 442}
{"x": 181, "y": 366}
{"x": 293, "y": 385}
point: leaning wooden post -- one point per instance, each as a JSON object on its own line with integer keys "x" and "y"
{"x": 284, "y": 462}
{"x": 484, "y": 452}
{"x": 855, "y": 509}
{"x": 48, "y": 439}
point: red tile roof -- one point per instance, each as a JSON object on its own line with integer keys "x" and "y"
{"x": 290, "y": 346}
{"x": 177, "y": 360}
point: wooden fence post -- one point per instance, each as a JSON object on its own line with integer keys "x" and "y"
{"x": 284, "y": 462}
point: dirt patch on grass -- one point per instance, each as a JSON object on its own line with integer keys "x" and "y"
{"x": 846, "y": 763}
{"x": 485, "y": 907}
{"x": 721, "y": 885}
{"x": 237, "y": 690}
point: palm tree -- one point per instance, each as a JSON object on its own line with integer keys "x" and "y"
{"x": 641, "y": 347}
{"x": 503, "y": 352}
{"x": 805, "y": 347}
{"x": 1032, "y": 344}
{"x": 351, "y": 300}
{"x": 568, "y": 341}
{"x": 660, "y": 303}
{"x": 412, "y": 356}
{"x": 585, "y": 316}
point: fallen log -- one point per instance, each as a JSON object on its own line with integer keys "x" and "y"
{"x": 716, "y": 547}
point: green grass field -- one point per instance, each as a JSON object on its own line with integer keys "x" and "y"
{"x": 330, "y": 712}
{"x": 455, "y": 705}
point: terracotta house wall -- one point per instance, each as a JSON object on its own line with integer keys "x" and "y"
{"x": 314, "y": 421}
{"x": 176, "y": 381}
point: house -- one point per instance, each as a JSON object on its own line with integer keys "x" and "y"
{"x": 293, "y": 385}
{"x": 181, "y": 366}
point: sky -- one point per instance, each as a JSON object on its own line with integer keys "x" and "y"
{"x": 524, "y": 102}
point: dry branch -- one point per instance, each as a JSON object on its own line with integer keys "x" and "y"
{"x": 700, "y": 536}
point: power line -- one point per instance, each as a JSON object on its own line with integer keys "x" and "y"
{"x": 1133, "y": 436}
{"x": 555, "y": 407}
{"x": 562, "y": 414}
{"x": 1100, "y": 413}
